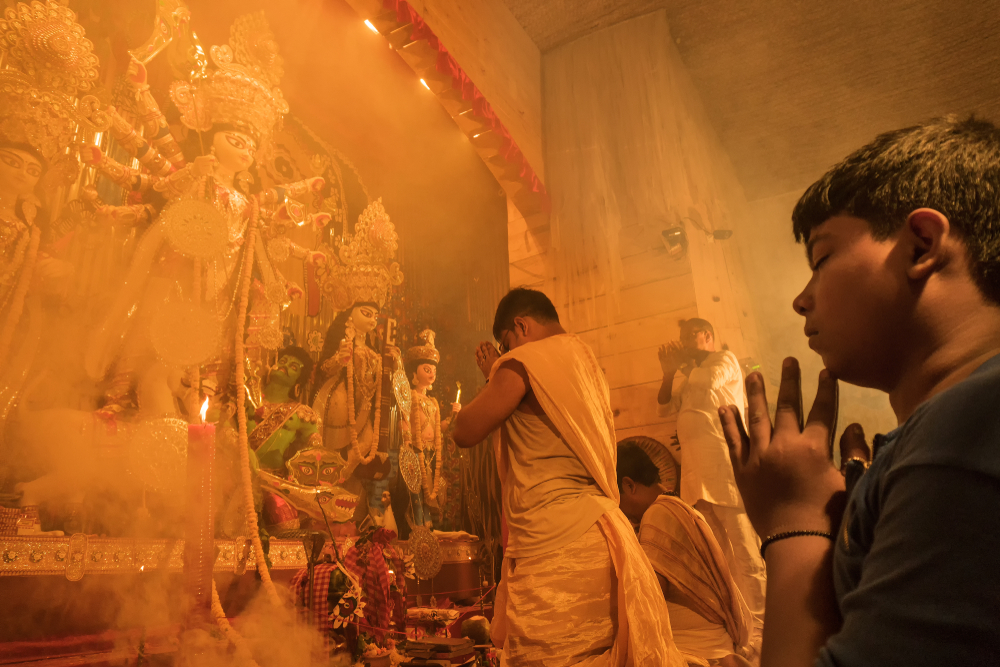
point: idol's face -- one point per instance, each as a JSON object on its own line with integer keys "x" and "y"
{"x": 425, "y": 375}
{"x": 856, "y": 302}
{"x": 19, "y": 170}
{"x": 234, "y": 150}
{"x": 364, "y": 318}
{"x": 314, "y": 466}
{"x": 287, "y": 370}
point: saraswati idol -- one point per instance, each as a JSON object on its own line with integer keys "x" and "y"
{"x": 357, "y": 382}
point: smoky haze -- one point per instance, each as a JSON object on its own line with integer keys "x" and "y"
{"x": 347, "y": 86}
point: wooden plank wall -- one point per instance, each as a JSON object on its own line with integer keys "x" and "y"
{"x": 658, "y": 165}
{"x": 500, "y": 58}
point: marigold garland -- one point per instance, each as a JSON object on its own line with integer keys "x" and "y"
{"x": 431, "y": 491}
{"x": 242, "y": 651}
{"x": 20, "y": 292}
{"x": 351, "y": 419}
{"x": 241, "y": 415}
{"x": 20, "y": 250}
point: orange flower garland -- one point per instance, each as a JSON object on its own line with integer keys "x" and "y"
{"x": 351, "y": 416}
{"x": 242, "y": 651}
{"x": 241, "y": 415}
{"x": 431, "y": 491}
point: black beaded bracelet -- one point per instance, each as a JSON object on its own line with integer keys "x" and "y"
{"x": 777, "y": 537}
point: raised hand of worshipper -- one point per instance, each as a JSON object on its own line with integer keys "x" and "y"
{"x": 486, "y": 356}
{"x": 672, "y": 357}
{"x": 794, "y": 497}
{"x": 785, "y": 471}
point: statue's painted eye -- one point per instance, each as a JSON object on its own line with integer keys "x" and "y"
{"x": 11, "y": 160}
{"x": 305, "y": 469}
{"x": 324, "y": 499}
{"x": 329, "y": 471}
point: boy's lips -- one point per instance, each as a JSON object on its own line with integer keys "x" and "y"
{"x": 811, "y": 334}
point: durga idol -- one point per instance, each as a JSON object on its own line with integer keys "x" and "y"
{"x": 178, "y": 307}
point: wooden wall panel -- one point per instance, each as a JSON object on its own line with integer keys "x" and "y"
{"x": 522, "y": 245}
{"x": 635, "y": 405}
{"x": 629, "y": 154}
{"x": 500, "y": 58}
{"x": 646, "y": 332}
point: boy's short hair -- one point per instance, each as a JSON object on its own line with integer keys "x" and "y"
{"x": 947, "y": 164}
{"x": 522, "y": 302}
{"x": 697, "y": 325}
{"x": 634, "y": 463}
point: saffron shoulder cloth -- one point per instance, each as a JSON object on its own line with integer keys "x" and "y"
{"x": 572, "y": 390}
{"x": 681, "y": 546}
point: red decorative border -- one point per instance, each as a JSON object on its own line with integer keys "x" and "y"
{"x": 447, "y": 65}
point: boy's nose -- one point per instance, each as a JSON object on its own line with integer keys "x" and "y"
{"x": 802, "y": 303}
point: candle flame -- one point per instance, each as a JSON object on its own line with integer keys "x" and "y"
{"x": 204, "y": 410}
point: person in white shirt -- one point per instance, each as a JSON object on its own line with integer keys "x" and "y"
{"x": 711, "y": 379}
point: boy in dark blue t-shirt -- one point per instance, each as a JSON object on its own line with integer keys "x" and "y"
{"x": 903, "y": 238}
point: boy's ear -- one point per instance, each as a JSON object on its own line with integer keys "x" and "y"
{"x": 930, "y": 234}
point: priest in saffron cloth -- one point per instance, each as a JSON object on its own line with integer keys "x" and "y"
{"x": 576, "y": 587}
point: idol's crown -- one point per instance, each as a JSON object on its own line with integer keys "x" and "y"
{"x": 426, "y": 350}
{"x": 241, "y": 90}
{"x": 366, "y": 272}
{"x": 48, "y": 63}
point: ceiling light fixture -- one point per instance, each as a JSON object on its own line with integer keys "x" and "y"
{"x": 371, "y": 27}
{"x": 425, "y": 84}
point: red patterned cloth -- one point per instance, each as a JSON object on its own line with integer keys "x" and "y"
{"x": 369, "y": 561}
{"x": 319, "y": 614}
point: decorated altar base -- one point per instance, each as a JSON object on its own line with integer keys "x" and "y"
{"x": 63, "y": 593}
